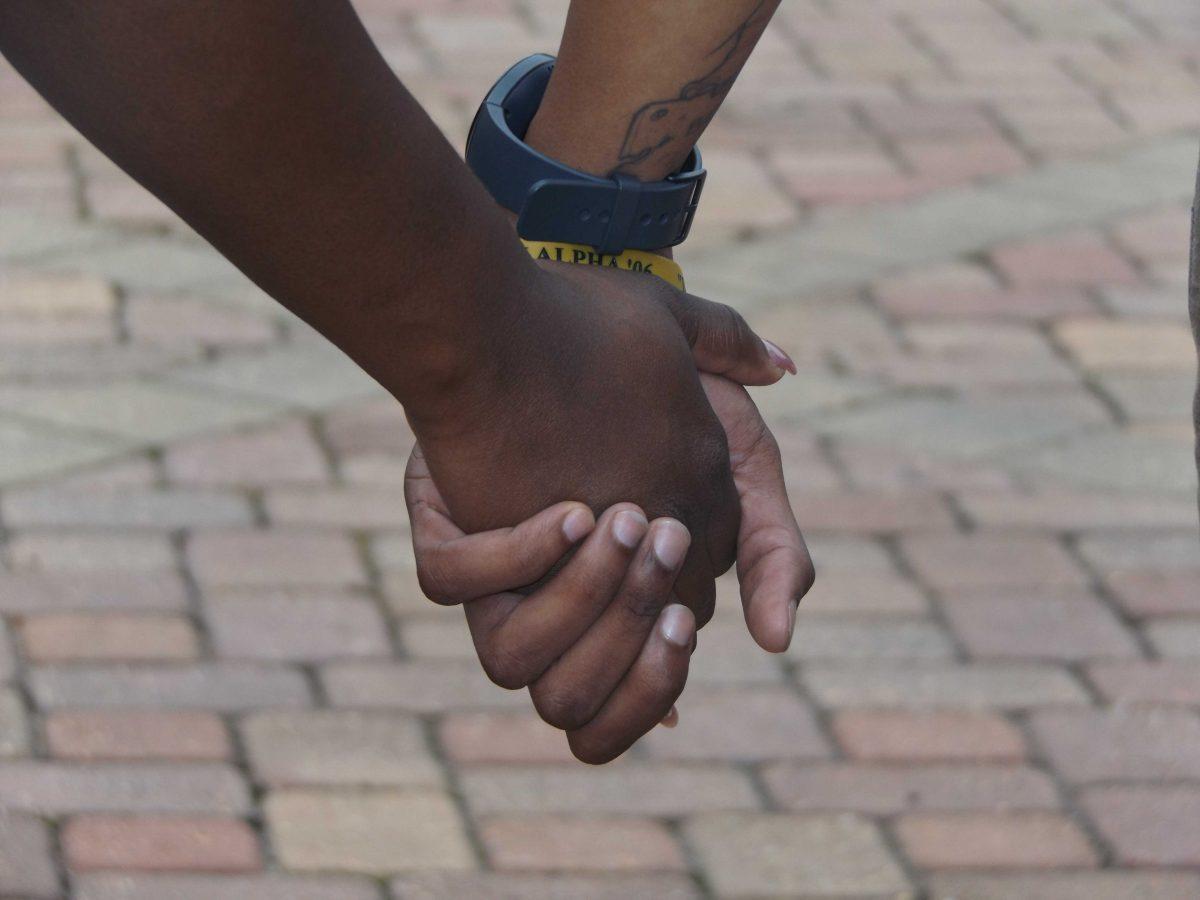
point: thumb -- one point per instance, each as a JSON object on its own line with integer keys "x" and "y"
{"x": 724, "y": 344}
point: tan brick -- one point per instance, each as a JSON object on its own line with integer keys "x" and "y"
{"x": 299, "y": 626}
{"x": 93, "y": 736}
{"x": 99, "y": 638}
{"x": 159, "y": 843}
{"x": 338, "y": 747}
{"x": 26, "y": 857}
{"x": 55, "y": 788}
{"x": 272, "y": 558}
{"x": 527, "y": 886}
{"x": 623, "y": 788}
{"x": 747, "y": 855}
{"x": 1112, "y": 345}
{"x": 887, "y": 790}
{"x": 739, "y": 724}
{"x": 266, "y": 886}
{"x": 1067, "y": 886}
{"x": 575, "y": 844}
{"x": 1034, "y": 840}
{"x": 900, "y": 736}
{"x": 1087, "y": 745}
{"x": 378, "y": 833}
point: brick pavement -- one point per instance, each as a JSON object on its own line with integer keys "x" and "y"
{"x": 966, "y": 218}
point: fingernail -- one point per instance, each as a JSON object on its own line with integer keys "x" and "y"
{"x": 628, "y": 528}
{"x": 577, "y": 523}
{"x": 778, "y": 357}
{"x": 790, "y": 622}
{"x": 670, "y": 545}
{"x": 676, "y": 624}
{"x": 671, "y": 719}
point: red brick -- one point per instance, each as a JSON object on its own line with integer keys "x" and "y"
{"x": 93, "y": 736}
{"x": 96, "y": 638}
{"x": 159, "y": 843}
{"x": 572, "y": 844}
{"x": 1157, "y": 593}
{"x": 899, "y": 736}
{"x": 1037, "y": 624}
{"x": 1034, "y": 840}
{"x": 1148, "y": 825}
{"x": 497, "y": 738}
{"x": 1128, "y": 743}
{"x": 887, "y": 790}
{"x": 1072, "y": 259}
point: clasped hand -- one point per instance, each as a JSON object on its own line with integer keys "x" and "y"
{"x": 593, "y": 602}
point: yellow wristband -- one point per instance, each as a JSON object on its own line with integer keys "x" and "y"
{"x": 631, "y": 260}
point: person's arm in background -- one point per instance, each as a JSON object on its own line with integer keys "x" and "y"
{"x": 636, "y": 84}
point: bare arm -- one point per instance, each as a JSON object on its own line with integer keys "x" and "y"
{"x": 637, "y": 83}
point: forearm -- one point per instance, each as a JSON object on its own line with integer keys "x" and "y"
{"x": 277, "y": 131}
{"x": 636, "y": 83}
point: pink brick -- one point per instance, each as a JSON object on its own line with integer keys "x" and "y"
{"x": 614, "y": 845}
{"x": 72, "y": 638}
{"x": 93, "y": 736}
{"x": 279, "y": 454}
{"x": 1035, "y": 840}
{"x": 43, "y": 592}
{"x": 1037, "y": 624}
{"x": 1148, "y": 826}
{"x": 497, "y": 738}
{"x": 1148, "y": 681}
{"x": 991, "y": 560}
{"x": 159, "y": 843}
{"x": 899, "y": 736}
{"x": 740, "y": 724}
{"x": 1074, "y": 259}
{"x": 872, "y": 512}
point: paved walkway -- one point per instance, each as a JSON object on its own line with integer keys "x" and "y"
{"x": 967, "y": 221}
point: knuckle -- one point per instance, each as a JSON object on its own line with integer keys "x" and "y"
{"x": 561, "y": 707}
{"x": 432, "y": 580}
{"x": 591, "y": 751}
{"x": 641, "y": 605}
{"x": 505, "y": 667}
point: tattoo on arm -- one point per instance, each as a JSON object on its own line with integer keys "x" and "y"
{"x": 662, "y": 122}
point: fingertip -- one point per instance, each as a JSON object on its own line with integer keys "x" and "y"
{"x": 578, "y": 523}
{"x": 779, "y": 359}
{"x": 677, "y": 626}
